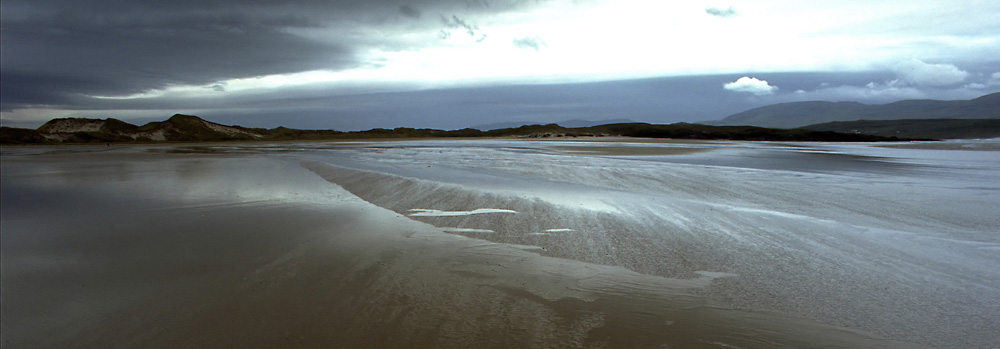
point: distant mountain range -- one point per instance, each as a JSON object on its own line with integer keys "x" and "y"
{"x": 189, "y": 128}
{"x": 800, "y": 121}
{"x": 800, "y": 114}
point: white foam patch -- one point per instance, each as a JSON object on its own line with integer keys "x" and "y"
{"x": 420, "y": 212}
{"x": 559, "y": 230}
{"x": 466, "y": 230}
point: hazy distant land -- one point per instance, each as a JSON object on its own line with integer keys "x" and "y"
{"x": 803, "y": 114}
{"x": 800, "y": 121}
{"x": 189, "y": 128}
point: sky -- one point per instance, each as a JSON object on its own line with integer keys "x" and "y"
{"x": 449, "y": 64}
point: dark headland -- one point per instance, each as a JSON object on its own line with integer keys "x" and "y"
{"x": 905, "y": 120}
{"x": 189, "y": 128}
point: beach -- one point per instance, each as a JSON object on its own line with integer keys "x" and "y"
{"x": 501, "y": 243}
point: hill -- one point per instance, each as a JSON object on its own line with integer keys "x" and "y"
{"x": 745, "y": 133}
{"x": 177, "y": 128}
{"x": 916, "y": 128}
{"x": 189, "y": 128}
{"x": 565, "y": 123}
{"x": 799, "y": 114}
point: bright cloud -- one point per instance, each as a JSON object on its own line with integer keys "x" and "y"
{"x": 918, "y": 73}
{"x": 991, "y": 81}
{"x": 879, "y": 93}
{"x": 751, "y": 85}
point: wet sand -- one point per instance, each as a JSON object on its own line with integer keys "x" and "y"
{"x": 629, "y": 151}
{"x": 425, "y": 245}
{"x": 954, "y": 144}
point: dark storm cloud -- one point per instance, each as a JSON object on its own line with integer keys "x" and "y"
{"x": 56, "y": 51}
{"x": 454, "y": 22}
{"x": 122, "y": 58}
{"x": 728, "y": 12}
{"x": 409, "y": 11}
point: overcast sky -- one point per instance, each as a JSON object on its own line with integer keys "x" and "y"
{"x": 355, "y": 64}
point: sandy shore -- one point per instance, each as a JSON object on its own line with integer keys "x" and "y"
{"x": 225, "y": 247}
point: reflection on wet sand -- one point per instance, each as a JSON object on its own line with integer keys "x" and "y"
{"x": 287, "y": 249}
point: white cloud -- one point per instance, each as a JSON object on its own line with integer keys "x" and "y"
{"x": 620, "y": 39}
{"x": 891, "y": 91}
{"x": 751, "y": 85}
{"x": 918, "y": 73}
{"x": 992, "y": 81}
{"x": 872, "y": 92}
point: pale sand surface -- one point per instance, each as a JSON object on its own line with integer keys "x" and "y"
{"x": 954, "y": 144}
{"x": 311, "y": 245}
{"x": 631, "y": 151}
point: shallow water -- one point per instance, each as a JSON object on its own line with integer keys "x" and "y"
{"x": 500, "y": 243}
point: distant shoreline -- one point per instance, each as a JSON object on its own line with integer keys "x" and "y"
{"x": 188, "y": 128}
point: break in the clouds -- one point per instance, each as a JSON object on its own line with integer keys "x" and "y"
{"x": 61, "y": 58}
{"x": 751, "y": 85}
